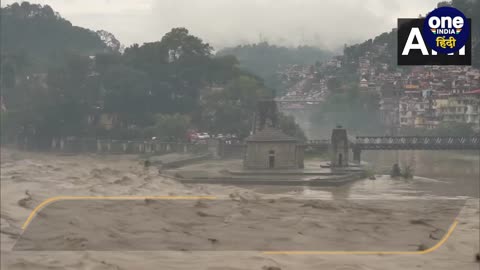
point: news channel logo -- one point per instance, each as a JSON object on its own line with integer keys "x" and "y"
{"x": 441, "y": 38}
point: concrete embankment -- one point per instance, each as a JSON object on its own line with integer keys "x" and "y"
{"x": 177, "y": 161}
{"x": 232, "y": 173}
{"x": 256, "y": 180}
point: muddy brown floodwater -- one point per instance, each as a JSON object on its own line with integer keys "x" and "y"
{"x": 231, "y": 232}
{"x": 452, "y": 174}
{"x": 457, "y": 172}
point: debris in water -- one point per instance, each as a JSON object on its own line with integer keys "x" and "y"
{"x": 436, "y": 234}
{"x": 395, "y": 171}
{"x": 124, "y": 181}
{"x": 202, "y": 214}
{"x": 271, "y": 268}
{"x": 147, "y": 163}
{"x": 25, "y": 202}
{"x": 148, "y": 201}
{"x": 200, "y": 204}
{"x": 420, "y": 222}
{"x": 422, "y": 247}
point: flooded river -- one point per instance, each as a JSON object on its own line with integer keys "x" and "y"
{"x": 457, "y": 172}
{"x": 453, "y": 174}
{"x": 231, "y": 230}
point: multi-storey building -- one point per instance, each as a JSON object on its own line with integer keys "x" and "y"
{"x": 461, "y": 108}
{"x": 413, "y": 112}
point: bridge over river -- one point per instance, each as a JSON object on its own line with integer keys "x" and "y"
{"x": 403, "y": 143}
{"x": 356, "y": 144}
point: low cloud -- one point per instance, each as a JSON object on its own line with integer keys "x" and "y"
{"x": 223, "y": 23}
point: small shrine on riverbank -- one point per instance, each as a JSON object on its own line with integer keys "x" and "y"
{"x": 268, "y": 147}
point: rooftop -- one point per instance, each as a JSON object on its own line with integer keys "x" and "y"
{"x": 270, "y": 135}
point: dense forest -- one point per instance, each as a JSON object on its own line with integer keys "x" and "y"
{"x": 156, "y": 89}
{"x": 34, "y": 36}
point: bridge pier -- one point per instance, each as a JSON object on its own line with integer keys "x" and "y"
{"x": 356, "y": 154}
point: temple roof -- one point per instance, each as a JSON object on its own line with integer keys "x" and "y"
{"x": 270, "y": 135}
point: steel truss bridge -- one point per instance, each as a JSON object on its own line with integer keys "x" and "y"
{"x": 403, "y": 143}
{"x": 416, "y": 143}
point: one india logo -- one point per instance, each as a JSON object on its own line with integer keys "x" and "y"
{"x": 450, "y": 31}
{"x": 446, "y": 30}
{"x": 441, "y": 38}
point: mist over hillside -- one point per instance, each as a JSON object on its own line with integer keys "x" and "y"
{"x": 267, "y": 60}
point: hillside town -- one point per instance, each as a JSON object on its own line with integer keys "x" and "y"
{"x": 409, "y": 97}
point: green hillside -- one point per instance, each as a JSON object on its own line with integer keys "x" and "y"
{"x": 34, "y": 36}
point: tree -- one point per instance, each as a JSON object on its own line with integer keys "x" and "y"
{"x": 57, "y": 88}
{"x": 44, "y": 35}
{"x": 103, "y": 61}
{"x": 180, "y": 45}
{"x": 444, "y": 4}
{"x": 177, "y": 67}
{"x": 223, "y": 69}
{"x": 127, "y": 93}
{"x": 110, "y": 41}
{"x": 288, "y": 125}
{"x": 169, "y": 127}
{"x": 231, "y": 110}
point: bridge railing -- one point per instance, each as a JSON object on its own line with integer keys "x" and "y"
{"x": 417, "y": 142}
{"x": 85, "y": 145}
{"x": 317, "y": 142}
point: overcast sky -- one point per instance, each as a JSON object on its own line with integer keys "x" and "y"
{"x": 324, "y": 23}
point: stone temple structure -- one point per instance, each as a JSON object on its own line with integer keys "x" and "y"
{"x": 269, "y": 147}
{"x": 339, "y": 147}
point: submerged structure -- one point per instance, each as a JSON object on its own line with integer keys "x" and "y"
{"x": 268, "y": 147}
{"x": 339, "y": 147}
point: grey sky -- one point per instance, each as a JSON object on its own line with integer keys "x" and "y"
{"x": 328, "y": 23}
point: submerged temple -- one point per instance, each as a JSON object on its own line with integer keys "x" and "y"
{"x": 268, "y": 147}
